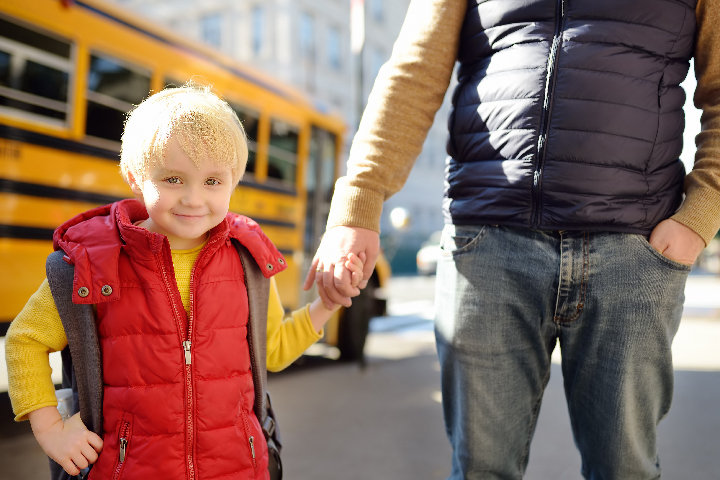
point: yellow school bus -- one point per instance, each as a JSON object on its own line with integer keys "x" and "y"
{"x": 69, "y": 73}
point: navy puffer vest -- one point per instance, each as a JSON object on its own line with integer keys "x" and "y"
{"x": 568, "y": 114}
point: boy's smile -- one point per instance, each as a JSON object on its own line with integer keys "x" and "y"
{"x": 184, "y": 201}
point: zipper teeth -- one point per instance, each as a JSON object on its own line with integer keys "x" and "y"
{"x": 550, "y": 79}
{"x": 123, "y": 434}
{"x": 188, "y": 383}
{"x": 247, "y": 432}
{"x": 188, "y": 368}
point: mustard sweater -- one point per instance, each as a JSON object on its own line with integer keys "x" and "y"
{"x": 410, "y": 89}
{"x": 38, "y": 330}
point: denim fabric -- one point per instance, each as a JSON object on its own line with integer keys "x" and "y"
{"x": 506, "y": 296}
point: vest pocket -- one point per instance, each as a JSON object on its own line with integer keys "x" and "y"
{"x": 124, "y": 437}
{"x": 250, "y": 439}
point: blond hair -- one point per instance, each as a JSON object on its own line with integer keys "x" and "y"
{"x": 204, "y": 125}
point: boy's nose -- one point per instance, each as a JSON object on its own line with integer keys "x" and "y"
{"x": 192, "y": 197}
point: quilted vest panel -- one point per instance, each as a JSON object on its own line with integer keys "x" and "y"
{"x": 568, "y": 114}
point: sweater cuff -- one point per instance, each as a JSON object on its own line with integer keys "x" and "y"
{"x": 23, "y": 414}
{"x": 355, "y": 207}
{"x": 701, "y": 212}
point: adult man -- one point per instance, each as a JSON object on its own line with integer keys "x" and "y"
{"x": 564, "y": 213}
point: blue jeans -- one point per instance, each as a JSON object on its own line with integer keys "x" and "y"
{"x": 505, "y": 296}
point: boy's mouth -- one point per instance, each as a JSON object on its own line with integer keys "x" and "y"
{"x": 188, "y": 217}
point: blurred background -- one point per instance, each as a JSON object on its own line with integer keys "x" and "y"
{"x": 364, "y": 403}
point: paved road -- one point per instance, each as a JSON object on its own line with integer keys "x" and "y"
{"x": 342, "y": 422}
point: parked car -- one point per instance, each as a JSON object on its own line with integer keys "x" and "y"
{"x": 428, "y": 255}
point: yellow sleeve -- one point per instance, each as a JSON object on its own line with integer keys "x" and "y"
{"x": 287, "y": 338}
{"x": 33, "y": 335}
{"x": 407, "y": 92}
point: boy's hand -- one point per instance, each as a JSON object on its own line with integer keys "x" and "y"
{"x": 320, "y": 312}
{"x": 355, "y": 264}
{"x": 69, "y": 443}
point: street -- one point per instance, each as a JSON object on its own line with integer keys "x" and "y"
{"x": 339, "y": 421}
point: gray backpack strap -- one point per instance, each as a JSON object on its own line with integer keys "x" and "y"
{"x": 258, "y": 292}
{"x": 81, "y": 332}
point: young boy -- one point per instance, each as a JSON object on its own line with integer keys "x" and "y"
{"x": 171, "y": 308}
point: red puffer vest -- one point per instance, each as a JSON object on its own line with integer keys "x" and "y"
{"x": 178, "y": 391}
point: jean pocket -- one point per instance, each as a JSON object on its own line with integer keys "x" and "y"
{"x": 457, "y": 239}
{"x": 675, "y": 265}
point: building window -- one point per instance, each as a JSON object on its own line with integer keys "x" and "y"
{"x": 307, "y": 36}
{"x": 333, "y": 48}
{"x": 377, "y": 9}
{"x": 258, "y": 29}
{"x": 211, "y": 26}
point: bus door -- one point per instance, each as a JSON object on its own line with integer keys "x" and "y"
{"x": 320, "y": 177}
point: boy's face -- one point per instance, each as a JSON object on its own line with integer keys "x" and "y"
{"x": 184, "y": 201}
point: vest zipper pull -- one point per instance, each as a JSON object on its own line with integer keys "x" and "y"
{"x": 123, "y": 446}
{"x": 186, "y": 346}
{"x": 252, "y": 446}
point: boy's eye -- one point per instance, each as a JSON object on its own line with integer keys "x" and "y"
{"x": 173, "y": 180}
{"x": 211, "y": 181}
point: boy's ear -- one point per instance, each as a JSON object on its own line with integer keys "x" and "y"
{"x": 134, "y": 185}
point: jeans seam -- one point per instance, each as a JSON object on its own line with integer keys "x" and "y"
{"x": 583, "y": 283}
{"x": 533, "y": 420}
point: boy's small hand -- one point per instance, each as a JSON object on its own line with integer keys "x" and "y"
{"x": 69, "y": 443}
{"x": 355, "y": 264}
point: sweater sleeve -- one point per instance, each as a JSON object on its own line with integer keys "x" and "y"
{"x": 287, "y": 338}
{"x": 701, "y": 209}
{"x": 407, "y": 93}
{"x": 33, "y": 335}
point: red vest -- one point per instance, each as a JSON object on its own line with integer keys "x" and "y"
{"x": 178, "y": 391}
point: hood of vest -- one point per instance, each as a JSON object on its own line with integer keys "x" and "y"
{"x": 93, "y": 241}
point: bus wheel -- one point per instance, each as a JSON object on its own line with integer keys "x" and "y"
{"x": 353, "y": 328}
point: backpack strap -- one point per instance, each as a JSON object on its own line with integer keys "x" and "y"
{"x": 258, "y": 292}
{"x": 85, "y": 373}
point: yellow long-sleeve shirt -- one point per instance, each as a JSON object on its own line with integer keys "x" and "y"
{"x": 37, "y": 331}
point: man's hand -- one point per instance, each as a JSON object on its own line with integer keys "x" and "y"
{"x": 328, "y": 269}
{"x": 70, "y": 443}
{"x": 677, "y": 242}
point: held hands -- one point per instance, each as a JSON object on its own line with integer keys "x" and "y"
{"x": 676, "y": 241}
{"x": 333, "y": 279}
{"x": 320, "y": 313}
{"x": 69, "y": 443}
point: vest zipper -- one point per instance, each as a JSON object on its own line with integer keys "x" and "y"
{"x": 186, "y": 344}
{"x": 550, "y": 80}
{"x": 124, "y": 434}
{"x": 251, "y": 440}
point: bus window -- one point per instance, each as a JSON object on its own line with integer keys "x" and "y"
{"x": 113, "y": 89}
{"x": 34, "y": 73}
{"x": 282, "y": 152}
{"x": 249, "y": 120}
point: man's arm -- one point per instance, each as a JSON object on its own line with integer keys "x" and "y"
{"x": 700, "y": 212}
{"x": 407, "y": 93}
